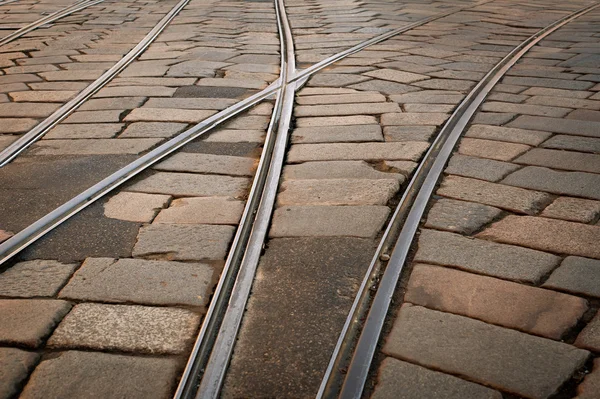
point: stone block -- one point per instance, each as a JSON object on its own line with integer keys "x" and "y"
{"x": 192, "y": 185}
{"x": 135, "y": 207}
{"x": 202, "y": 210}
{"x": 208, "y": 163}
{"x": 573, "y": 209}
{"x": 15, "y": 366}
{"x": 35, "y": 278}
{"x": 459, "y": 216}
{"x": 479, "y": 168}
{"x": 408, "y": 150}
{"x": 577, "y": 275}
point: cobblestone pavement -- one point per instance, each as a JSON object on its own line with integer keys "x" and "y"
{"x": 501, "y": 299}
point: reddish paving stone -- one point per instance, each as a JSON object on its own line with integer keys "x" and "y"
{"x": 589, "y": 338}
{"x": 28, "y": 322}
{"x": 573, "y": 209}
{"x": 515, "y": 362}
{"x": 15, "y": 366}
{"x": 35, "y": 278}
{"x": 416, "y": 382}
{"x": 533, "y": 310}
{"x": 76, "y": 374}
{"x": 497, "y": 150}
{"x": 590, "y": 386}
{"x": 551, "y": 235}
{"x": 577, "y": 275}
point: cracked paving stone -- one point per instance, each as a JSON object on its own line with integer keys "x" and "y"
{"x": 577, "y": 275}
{"x": 485, "y": 257}
{"x": 127, "y": 328}
{"x": 35, "y": 278}
{"x": 459, "y": 216}
{"x": 192, "y": 185}
{"x": 75, "y": 374}
{"x": 208, "y": 163}
{"x": 573, "y": 209}
{"x": 203, "y": 210}
{"x": 28, "y": 322}
{"x": 510, "y": 360}
{"x": 15, "y": 366}
{"x": 135, "y": 207}
{"x": 407, "y": 150}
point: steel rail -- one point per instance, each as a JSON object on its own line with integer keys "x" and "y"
{"x": 63, "y": 12}
{"x": 19, "y": 145}
{"x": 408, "y": 214}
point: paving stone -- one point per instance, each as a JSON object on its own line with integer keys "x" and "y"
{"x": 404, "y": 167}
{"x": 337, "y": 170}
{"x": 148, "y": 91}
{"x": 346, "y": 109}
{"x": 126, "y": 328}
{"x": 565, "y": 160}
{"x": 112, "y": 103}
{"x": 224, "y": 82}
{"x": 16, "y": 125}
{"x": 341, "y": 98}
{"x": 527, "y": 109}
{"x": 140, "y": 281}
{"x": 95, "y": 116}
{"x": 429, "y": 97}
{"x": 459, "y": 216}
{"x": 28, "y": 322}
{"x": 414, "y": 118}
{"x": 551, "y": 235}
{"x": 384, "y": 86}
{"x": 84, "y": 131}
{"x": 409, "y": 133}
{"x": 335, "y": 79}
{"x": 135, "y": 207}
{"x": 409, "y": 150}
{"x": 162, "y": 81}
{"x": 573, "y": 209}
{"x": 19, "y": 78}
{"x": 493, "y": 118}
{"x": 349, "y": 221}
{"x": 396, "y": 76}
{"x": 513, "y": 135}
{"x": 168, "y": 115}
{"x": 208, "y": 163}
{"x": 479, "y": 168}
{"x": 210, "y": 92}
{"x": 577, "y": 275}
{"x": 551, "y": 83}
{"x": 75, "y": 374}
{"x": 15, "y": 366}
{"x": 211, "y": 210}
{"x": 567, "y": 183}
{"x": 512, "y": 361}
{"x": 573, "y": 143}
{"x": 484, "y": 257}
{"x": 27, "y": 110}
{"x": 556, "y": 125}
{"x": 337, "y": 192}
{"x": 191, "y": 103}
{"x": 183, "y": 242}
{"x": 574, "y": 103}
{"x": 498, "y": 195}
{"x": 35, "y": 278}
{"x": 590, "y": 386}
{"x": 336, "y": 134}
{"x": 533, "y": 310}
{"x": 489, "y": 149}
{"x": 5, "y": 235}
{"x": 337, "y": 121}
{"x": 445, "y": 84}
{"x": 235, "y": 136}
{"x": 71, "y": 75}
{"x": 192, "y": 185}
{"x": 544, "y": 91}
{"x": 589, "y": 338}
{"x": 42, "y": 96}
{"x": 93, "y": 146}
{"x": 417, "y": 382}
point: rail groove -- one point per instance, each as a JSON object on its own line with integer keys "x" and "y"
{"x": 377, "y": 288}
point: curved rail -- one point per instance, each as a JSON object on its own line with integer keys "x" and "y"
{"x": 407, "y": 216}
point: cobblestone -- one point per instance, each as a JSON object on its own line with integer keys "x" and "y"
{"x": 497, "y": 150}
{"x": 336, "y": 170}
{"x": 346, "y": 109}
{"x": 574, "y": 143}
{"x": 410, "y": 151}
{"x": 414, "y": 118}
{"x": 577, "y": 184}
{"x": 577, "y": 275}
{"x": 589, "y": 338}
{"x": 459, "y": 216}
{"x": 556, "y": 125}
{"x": 479, "y": 168}
{"x": 591, "y": 384}
{"x": 153, "y": 129}
{"x": 93, "y": 146}
{"x": 573, "y": 209}
{"x": 192, "y": 185}
{"x": 337, "y": 192}
{"x": 135, "y": 207}
{"x": 35, "y": 278}
{"x": 514, "y": 135}
{"x": 84, "y": 131}
{"x": 15, "y": 366}
{"x": 208, "y": 163}
{"x": 564, "y": 160}
{"x": 336, "y": 134}
{"x": 210, "y": 210}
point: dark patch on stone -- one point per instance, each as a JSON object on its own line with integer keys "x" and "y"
{"x": 299, "y": 303}
{"x": 211, "y": 92}
{"x": 216, "y": 148}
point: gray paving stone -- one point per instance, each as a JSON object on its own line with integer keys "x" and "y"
{"x": 551, "y": 235}
{"x": 341, "y": 98}
{"x": 93, "y": 146}
{"x": 551, "y": 83}
{"x": 484, "y": 257}
{"x": 575, "y": 103}
{"x": 322, "y": 221}
{"x": 337, "y": 170}
{"x": 162, "y": 81}
{"x": 63, "y": 76}
{"x": 42, "y": 96}
{"x": 512, "y": 361}
{"x": 459, "y": 216}
{"x": 498, "y": 195}
{"x": 429, "y": 97}
{"x": 413, "y": 119}
{"x": 75, "y": 374}
{"x": 183, "y": 242}
{"x": 211, "y": 210}
{"x": 529, "y": 309}
{"x": 153, "y": 129}
{"x": 445, "y": 84}
{"x": 346, "y": 109}
{"x": 148, "y": 91}
{"x": 573, "y": 209}
{"x": 565, "y": 160}
{"x": 577, "y": 275}
{"x": 409, "y": 150}
{"x": 337, "y": 134}
{"x": 15, "y": 366}
{"x": 337, "y": 192}
{"x": 195, "y": 68}
{"x": 17, "y": 125}
{"x": 135, "y": 207}
{"x": 590, "y": 386}
{"x": 545, "y": 91}
{"x": 192, "y": 185}
{"x": 27, "y": 110}
{"x": 190, "y": 103}
{"x": 513, "y": 135}
{"x": 94, "y": 116}
{"x": 140, "y": 281}
{"x": 589, "y": 338}
{"x": 335, "y": 79}
{"x": 85, "y": 131}
{"x": 235, "y": 136}
{"x": 556, "y": 125}
{"x": 396, "y": 76}
{"x": 27, "y": 322}
{"x": 112, "y": 103}
{"x": 493, "y": 118}
{"x": 479, "y": 168}
{"x": 337, "y": 121}
{"x": 208, "y": 163}
{"x": 210, "y": 92}
{"x": 404, "y": 167}
{"x": 573, "y": 143}
{"x": 35, "y": 278}
{"x": 409, "y": 133}
{"x": 168, "y": 115}
{"x": 224, "y": 82}
{"x": 417, "y": 382}
{"x": 489, "y": 149}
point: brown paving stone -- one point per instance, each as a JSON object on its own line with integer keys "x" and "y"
{"x": 408, "y": 150}
{"x": 35, "y": 278}
{"x": 519, "y": 363}
{"x": 573, "y": 209}
{"x": 533, "y": 310}
{"x": 479, "y": 168}
{"x": 459, "y": 216}
{"x": 565, "y": 160}
{"x": 513, "y": 135}
{"x": 497, "y": 150}
{"x": 484, "y": 257}
{"x": 202, "y": 210}
{"x": 15, "y": 366}
{"x": 589, "y": 338}
{"x": 577, "y": 275}
{"x": 208, "y": 163}
{"x": 413, "y": 118}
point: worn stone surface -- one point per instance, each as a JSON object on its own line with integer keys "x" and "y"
{"x": 573, "y": 143}
{"x": 337, "y": 170}
{"x": 168, "y": 115}
{"x": 208, "y": 163}
{"x": 490, "y": 149}
{"x": 533, "y": 310}
{"x": 35, "y": 278}
{"x": 153, "y": 129}
{"x": 91, "y": 374}
{"x": 590, "y": 386}
{"x": 336, "y": 121}
{"x": 557, "y": 125}
{"x": 573, "y": 209}
{"x": 193, "y": 185}
{"x": 337, "y": 192}
{"x": 484, "y": 257}
{"x": 202, "y": 210}
{"x": 413, "y": 118}
{"x": 579, "y": 184}
{"x": 353, "y": 221}
{"x": 337, "y": 134}
{"x": 183, "y": 242}
{"x": 551, "y": 235}
{"x": 479, "y": 168}
{"x": 135, "y": 207}
{"x": 346, "y": 109}
{"x": 512, "y": 361}
{"x": 126, "y": 328}
{"x": 140, "y": 281}
{"x": 92, "y": 146}
{"x": 416, "y": 382}
{"x": 499, "y": 195}
{"x": 15, "y": 366}
{"x": 84, "y": 131}
{"x": 409, "y": 133}
{"x": 459, "y": 216}
{"x": 396, "y": 76}
{"x": 565, "y": 160}
{"x": 589, "y": 338}
{"x": 577, "y": 275}
{"x": 410, "y": 151}
{"x": 28, "y": 322}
